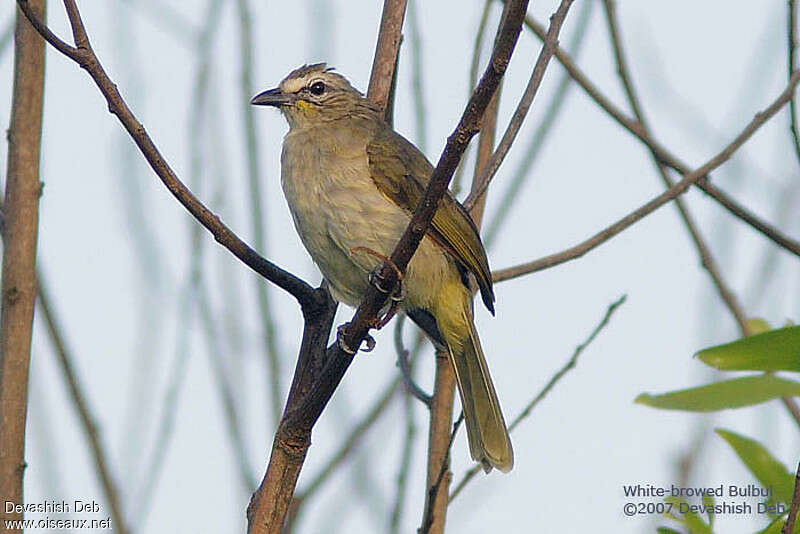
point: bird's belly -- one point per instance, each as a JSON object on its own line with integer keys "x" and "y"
{"x": 348, "y": 226}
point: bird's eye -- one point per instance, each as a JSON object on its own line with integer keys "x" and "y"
{"x": 317, "y": 88}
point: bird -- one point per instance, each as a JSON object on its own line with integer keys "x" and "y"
{"x": 352, "y": 184}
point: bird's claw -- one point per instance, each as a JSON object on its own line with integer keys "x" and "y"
{"x": 368, "y": 339}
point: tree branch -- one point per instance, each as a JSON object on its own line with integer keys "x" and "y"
{"x": 21, "y": 214}
{"x": 84, "y": 413}
{"x": 386, "y": 51}
{"x": 555, "y": 379}
{"x": 87, "y": 59}
{"x": 664, "y": 155}
{"x": 788, "y": 527}
{"x": 706, "y": 258}
{"x": 670, "y": 194}
{"x": 550, "y": 44}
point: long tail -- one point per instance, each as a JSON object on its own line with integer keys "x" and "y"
{"x": 489, "y": 443}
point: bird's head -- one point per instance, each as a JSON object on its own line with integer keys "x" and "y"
{"x": 312, "y": 95}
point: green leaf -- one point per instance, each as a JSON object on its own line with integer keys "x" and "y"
{"x": 776, "y": 350}
{"x": 734, "y": 393}
{"x": 758, "y": 460}
{"x": 667, "y": 530}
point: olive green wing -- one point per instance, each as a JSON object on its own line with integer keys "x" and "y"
{"x": 401, "y": 173}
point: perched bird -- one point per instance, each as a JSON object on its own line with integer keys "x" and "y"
{"x": 352, "y": 184}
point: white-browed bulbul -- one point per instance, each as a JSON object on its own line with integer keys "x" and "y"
{"x": 352, "y": 184}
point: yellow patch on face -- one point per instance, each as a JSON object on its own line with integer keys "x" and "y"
{"x": 304, "y": 106}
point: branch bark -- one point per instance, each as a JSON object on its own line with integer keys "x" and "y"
{"x": 664, "y": 156}
{"x": 21, "y": 205}
{"x": 84, "y": 55}
{"x": 670, "y": 194}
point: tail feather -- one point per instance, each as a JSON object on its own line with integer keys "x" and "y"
{"x": 489, "y": 442}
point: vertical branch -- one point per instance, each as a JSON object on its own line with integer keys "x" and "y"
{"x": 21, "y": 211}
{"x": 440, "y": 440}
{"x": 386, "y": 49}
{"x": 439, "y": 474}
{"x": 256, "y": 199}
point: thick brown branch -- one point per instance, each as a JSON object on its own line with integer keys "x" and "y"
{"x": 663, "y": 154}
{"x": 386, "y": 50}
{"x": 670, "y": 194}
{"x": 86, "y": 58}
{"x": 21, "y": 211}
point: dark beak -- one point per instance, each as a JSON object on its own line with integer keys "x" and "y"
{"x": 273, "y": 97}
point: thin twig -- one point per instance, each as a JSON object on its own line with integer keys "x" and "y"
{"x": 788, "y": 527}
{"x": 549, "y": 386}
{"x": 386, "y": 50}
{"x": 417, "y": 75}
{"x": 87, "y": 59}
{"x": 455, "y": 184}
{"x": 81, "y": 404}
{"x": 537, "y": 75}
{"x": 706, "y": 258}
{"x": 428, "y": 515}
{"x": 551, "y": 113}
{"x": 673, "y": 192}
{"x": 256, "y": 197}
{"x": 791, "y": 35}
{"x": 633, "y": 126}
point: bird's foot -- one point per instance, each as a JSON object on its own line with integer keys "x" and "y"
{"x": 375, "y": 277}
{"x": 368, "y": 339}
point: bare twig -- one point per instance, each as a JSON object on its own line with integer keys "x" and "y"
{"x": 258, "y": 222}
{"x": 21, "y": 214}
{"x": 81, "y": 404}
{"x": 386, "y": 49}
{"x": 664, "y": 155}
{"x": 706, "y": 258}
{"x": 418, "y": 87}
{"x": 788, "y": 527}
{"x": 404, "y": 363}
{"x": 429, "y": 517}
{"x": 455, "y": 184}
{"x": 791, "y": 34}
{"x": 87, "y": 59}
{"x": 673, "y": 192}
{"x": 549, "y": 386}
{"x": 537, "y": 75}
{"x": 551, "y": 112}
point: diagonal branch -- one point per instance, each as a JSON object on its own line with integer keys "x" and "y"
{"x": 84, "y": 413}
{"x": 706, "y": 258}
{"x": 670, "y": 194}
{"x": 550, "y": 44}
{"x": 555, "y": 379}
{"x": 663, "y": 154}
{"x": 87, "y": 59}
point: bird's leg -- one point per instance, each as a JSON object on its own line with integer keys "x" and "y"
{"x": 375, "y": 279}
